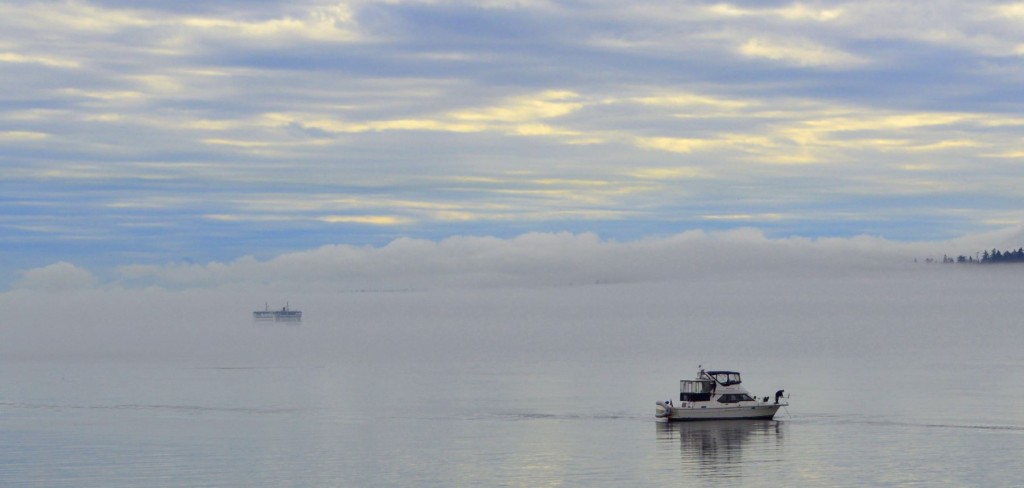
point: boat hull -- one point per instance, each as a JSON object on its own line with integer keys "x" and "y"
{"x": 665, "y": 413}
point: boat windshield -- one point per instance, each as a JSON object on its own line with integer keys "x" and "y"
{"x": 725, "y": 378}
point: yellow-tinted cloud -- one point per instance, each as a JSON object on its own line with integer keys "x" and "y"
{"x": 454, "y": 216}
{"x": 822, "y": 135}
{"x": 744, "y": 217}
{"x": 359, "y": 205}
{"x": 158, "y": 83}
{"x": 800, "y": 53}
{"x": 674, "y": 144}
{"x": 212, "y": 125}
{"x": 421, "y": 124}
{"x": 992, "y": 120}
{"x": 885, "y": 122}
{"x": 570, "y": 182}
{"x": 918, "y": 167}
{"x": 73, "y": 15}
{"x": 333, "y": 23}
{"x": 237, "y": 143}
{"x": 675, "y": 173}
{"x": 103, "y": 117}
{"x": 108, "y": 95}
{"x": 516, "y": 116}
{"x": 690, "y": 99}
{"x": 799, "y": 11}
{"x": 1006, "y": 154}
{"x": 9, "y": 57}
{"x": 795, "y": 11}
{"x": 687, "y": 145}
{"x": 22, "y": 135}
{"x": 568, "y": 135}
{"x": 318, "y": 122}
{"x": 541, "y": 130}
{"x": 247, "y": 218}
{"x": 382, "y": 220}
{"x": 364, "y": 219}
{"x": 941, "y": 145}
{"x": 795, "y": 158}
{"x": 545, "y": 105}
{"x": 1010, "y": 10}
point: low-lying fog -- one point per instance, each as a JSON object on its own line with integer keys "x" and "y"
{"x": 539, "y": 297}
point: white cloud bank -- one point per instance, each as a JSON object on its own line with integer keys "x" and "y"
{"x": 60, "y": 276}
{"x": 529, "y": 260}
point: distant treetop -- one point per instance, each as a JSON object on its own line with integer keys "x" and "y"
{"x": 986, "y": 257}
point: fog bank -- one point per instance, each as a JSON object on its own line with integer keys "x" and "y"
{"x": 689, "y": 298}
{"x": 535, "y": 259}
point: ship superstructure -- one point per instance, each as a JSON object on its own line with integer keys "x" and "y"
{"x": 286, "y": 314}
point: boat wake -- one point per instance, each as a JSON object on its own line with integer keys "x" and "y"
{"x": 134, "y": 406}
{"x": 908, "y": 423}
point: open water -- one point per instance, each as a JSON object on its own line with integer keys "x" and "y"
{"x": 885, "y": 423}
{"x": 896, "y": 379}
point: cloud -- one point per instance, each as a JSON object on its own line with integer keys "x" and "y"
{"x": 523, "y": 116}
{"x": 794, "y": 11}
{"x": 376, "y": 120}
{"x": 22, "y": 135}
{"x": 675, "y": 144}
{"x": 678, "y": 172}
{"x": 60, "y": 276}
{"x": 800, "y": 52}
{"x": 545, "y": 105}
{"x": 75, "y": 16}
{"x": 530, "y": 260}
{"x": 9, "y": 57}
{"x": 694, "y": 99}
{"x": 333, "y": 23}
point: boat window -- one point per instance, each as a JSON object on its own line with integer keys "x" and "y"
{"x": 695, "y": 391}
{"x": 695, "y": 397}
{"x": 686, "y": 386}
{"x": 735, "y": 398}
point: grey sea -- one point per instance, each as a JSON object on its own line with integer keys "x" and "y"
{"x": 538, "y": 388}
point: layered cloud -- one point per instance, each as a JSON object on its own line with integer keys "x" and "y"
{"x": 529, "y": 260}
{"x": 149, "y": 133}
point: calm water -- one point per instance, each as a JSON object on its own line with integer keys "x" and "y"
{"x": 885, "y": 422}
{"x": 897, "y": 379}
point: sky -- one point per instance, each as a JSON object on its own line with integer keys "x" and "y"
{"x": 186, "y": 144}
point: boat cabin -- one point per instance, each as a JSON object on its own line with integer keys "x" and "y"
{"x": 703, "y": 388}
{"x": 695, "y": 390}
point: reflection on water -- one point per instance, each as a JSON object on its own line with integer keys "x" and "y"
{"x": 722, "y": 449}
{"x": 110, "y": 425}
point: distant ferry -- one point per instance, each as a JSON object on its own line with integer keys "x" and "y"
{"x": 283, "y": 315}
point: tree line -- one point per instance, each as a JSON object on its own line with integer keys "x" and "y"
{"x": 986, "y": 257}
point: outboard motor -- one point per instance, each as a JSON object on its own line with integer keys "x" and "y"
{"x": 778, "y": 395}
{"x": 664, "y": 409}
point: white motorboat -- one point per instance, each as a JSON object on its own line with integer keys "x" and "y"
{"x": 717, "y": 395}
